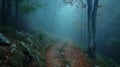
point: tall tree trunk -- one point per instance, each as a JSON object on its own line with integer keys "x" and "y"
{"x": 16, "y": 11}
{"x": 3, "y": 10}
{"x": 8, "y": 9}
{"x": 16, "y": 14}
{"x": 94, "y": 16}
{"x": 90, "y": 3}
{"x": 92, "y": 11}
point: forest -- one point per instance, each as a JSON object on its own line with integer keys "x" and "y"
{"x": 59, "y": 33}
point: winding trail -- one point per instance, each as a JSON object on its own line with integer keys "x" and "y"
{"x": 65, "y": 55}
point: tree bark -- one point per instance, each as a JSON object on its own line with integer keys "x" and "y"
{"x": 92, "y": 12}
{"x": 3, "y": 10}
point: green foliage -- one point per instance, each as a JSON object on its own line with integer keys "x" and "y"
{"x": 113, "y": 49}
{"x": 27, "y": 8}
{"x": 103, "y": 63}
{"x": 31, "y": 7}
{"x": 100, "y": 62}
{"x": 113, "y": 43}
{"x": 41, "y": 35}
{"x": 17, "y": 59}
{"x": 40, "y": 5}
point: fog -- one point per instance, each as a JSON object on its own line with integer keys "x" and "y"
{"x": 65, "y": 20}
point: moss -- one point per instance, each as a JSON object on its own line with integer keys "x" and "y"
{"x": 91, "y": 62}
{"x": 2, "y": 52}
{"x": 27, "y": 8}
{"x": 41, "y": 42}
{"x": 40, "y": 58}
{"x": 99, "y": 61}
{"x": 112, "y": 49}
{"x": 17, "y": 59}
{"x": 41, "y": 64}
{"x": 102, "y": 63}
{"x": 21, "y": 47}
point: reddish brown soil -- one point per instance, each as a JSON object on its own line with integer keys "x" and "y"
{"x": 53, "y": 60}
{"x": 74, "y": 56}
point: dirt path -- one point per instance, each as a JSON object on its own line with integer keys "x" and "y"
{"x": 53, "y": 58}
{"x": 65, "y": 56}
{"x": 75, "y": 57}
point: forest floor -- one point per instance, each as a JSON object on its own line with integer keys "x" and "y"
{"x": 65, "y": 55}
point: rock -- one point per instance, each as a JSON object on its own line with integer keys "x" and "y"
{"x": 67, "y": 65}
{"x": 30, "y": 42}
{"x": 12, "y": 47}
{"x": 37, "y": 58}
{"x": 29, "y": 55}
{"x": 20, "y": 33}
{"x": 23, "y": 44}
{"x": 3, "y": 40}
{"x": 97, "y": 66}
{"x": 62, "y": 53}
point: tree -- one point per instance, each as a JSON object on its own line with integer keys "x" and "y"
{"x": 11, "y": 9}
{"x": 92, "y": 14}
{"x": 3, "y": 14}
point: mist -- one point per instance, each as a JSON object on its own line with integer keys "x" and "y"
{"x": 65, "y": 20}
{"x": 93, "y": 28}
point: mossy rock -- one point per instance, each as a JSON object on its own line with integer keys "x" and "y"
{"x": 21, "y": 48}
